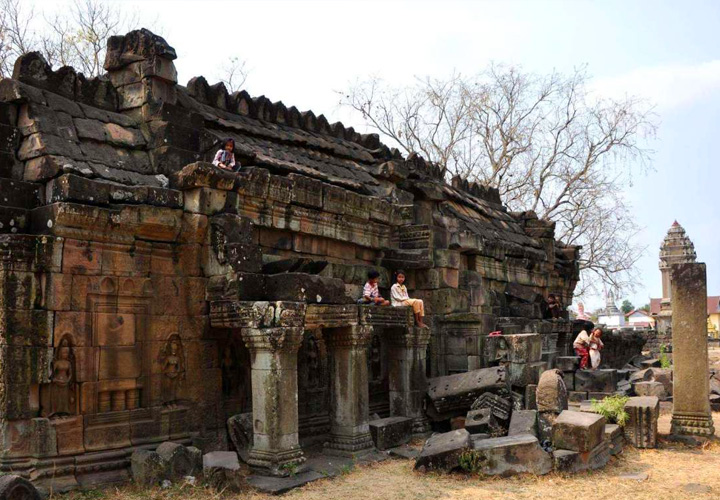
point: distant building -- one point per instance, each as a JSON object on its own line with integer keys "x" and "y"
{"x": 713, "y": 308}
{"x": 611, "y": 316}
{"x": 640, "y": 318}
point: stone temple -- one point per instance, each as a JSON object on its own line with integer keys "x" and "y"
{"x": 148, "y": 296}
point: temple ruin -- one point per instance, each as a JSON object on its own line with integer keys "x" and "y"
{"x": 147, "y": 296}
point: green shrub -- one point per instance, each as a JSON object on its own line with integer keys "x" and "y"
{"x": 612, "y": 408}
{"x": 471, "y": 461}
{"x": 664, "y": 358}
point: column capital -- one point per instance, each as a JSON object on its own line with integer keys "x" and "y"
{"x": 408, "y": 337}
{"x": 349, "y": 337}
{"x": 274, "y": 340}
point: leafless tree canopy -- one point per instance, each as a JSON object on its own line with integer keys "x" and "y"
{"x": 233, "y": 74}
{"x": 543, "y": 141}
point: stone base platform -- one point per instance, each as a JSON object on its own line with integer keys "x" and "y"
{"x": 318, "y": 465}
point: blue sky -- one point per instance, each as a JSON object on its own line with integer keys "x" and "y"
{"x": 302, "y": 52}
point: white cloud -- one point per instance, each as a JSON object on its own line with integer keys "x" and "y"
{"x": 669, "y": 86}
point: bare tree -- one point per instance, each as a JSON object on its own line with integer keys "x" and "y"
{"x": 16, "y": 36}
{"x": 542, "y": 140}
{"x": 234, "y": 73}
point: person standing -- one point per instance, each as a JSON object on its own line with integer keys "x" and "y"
{"x": 582, "y": 345}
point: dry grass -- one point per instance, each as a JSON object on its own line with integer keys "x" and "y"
{"x": 669, "y": 468}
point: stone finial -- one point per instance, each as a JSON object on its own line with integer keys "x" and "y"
{"x": 138, "y": 45}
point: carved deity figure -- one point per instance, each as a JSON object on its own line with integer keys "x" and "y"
{"x": 172, "y": 360}
{"x": 61, "y": 391}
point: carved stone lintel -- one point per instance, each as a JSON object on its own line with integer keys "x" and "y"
{"x": 385, "y": 316}
{"x": 274, "y": 340}
{"x": 330, "y": 316}
{"x": 243, "y": 314}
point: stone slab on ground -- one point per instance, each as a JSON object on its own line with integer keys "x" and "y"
{"x": 390, "y": 432}
{"x": 442, "y": 451}
{"x": 523, "y": 422}
{"x": 578, "y": 431}
{"x": 650, "y": 388}
{"x": 221, "y": 469}
{"x": 405, "y": 451}
{"x": 510, "y": 455}
{"x": 614, "y": 436}
{"x": 279, "y": 485}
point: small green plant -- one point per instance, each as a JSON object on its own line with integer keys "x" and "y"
{"x": 471, "y": 461}
{"x": 346, "y": 469}
{"x": 612, "y": 408}
{"x": 291, "y": 468}
{"x": 664, "y": 358}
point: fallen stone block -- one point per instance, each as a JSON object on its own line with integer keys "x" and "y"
{"x": 442, "y": 451}
{"x": 665, "y": 377}
{"x": 614, "y": 437}
{"x": 641, "y": 427}
{"x": 569, "y": 379}
{"x": 240, "y": 429}
{"x": 551, "y": 394}
{"x": 511, "y": 455}
{"x": 545, "y": 421}
{"x": 656, "y": 389}
{"x": 599, "y": 396}
{"x": 530, "y": 397}
{"x": 577, "y": 396}
{"x": 576, "y": 461}
{"x": 147, "y": 467}
{"x": 179, "y": 460}
{"x": 650, "y": 363}
{"x": 518, "y": 348}
{"x": 595, "y": 380}
{"x": 14, "y": 487}
{"x": 523, "y": 422}
{"x": 501, "y": 407}
{"x": 457, "y": 392}
{"x": 482, "y": 421}
{"x": 390, "y": 432}
{"x": 578, "y": 431}
{"x": 523, "y": 374}
{"x": 640, "y": 376}
{"x": 567, "y": 363}
{"x": 221, "y": 470}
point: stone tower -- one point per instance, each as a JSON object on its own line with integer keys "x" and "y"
{"x": 675, "y": 249}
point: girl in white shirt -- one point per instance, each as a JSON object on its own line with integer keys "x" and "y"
{"x": 399, "y": 297}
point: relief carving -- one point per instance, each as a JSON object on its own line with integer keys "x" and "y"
{"x": 172, "y": 361}
{"x": 59, "y": 395}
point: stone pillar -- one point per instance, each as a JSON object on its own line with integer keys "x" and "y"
{"x": 408, "y": 383}
{"x": 276, "y": 447}
{"x": 691, "y": 405}
{"x": 349, "y": 397}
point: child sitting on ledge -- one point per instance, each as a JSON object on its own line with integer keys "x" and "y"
{"x": 371, "y": 294}
{"x": 225, "y": 158}
{"x": 400, "y": 297}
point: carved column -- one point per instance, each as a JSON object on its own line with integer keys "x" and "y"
{"x": 273, "y": 351}
{"x": 349, "y": 405}
{"x": 408, "y": 383}
{"x": 691, "y": 386}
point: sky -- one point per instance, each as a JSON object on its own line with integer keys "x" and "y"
{"x": 304, "y": 53}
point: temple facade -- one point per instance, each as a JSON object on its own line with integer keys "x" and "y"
{"x": 146, "y": 295}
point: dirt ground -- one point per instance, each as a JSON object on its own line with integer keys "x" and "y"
{"x": 673, "y": 472}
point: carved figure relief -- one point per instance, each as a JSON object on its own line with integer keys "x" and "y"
{"x": 313, "y": 363}
{"x": 60, "y": 399}
{"x": 172, "y": 361}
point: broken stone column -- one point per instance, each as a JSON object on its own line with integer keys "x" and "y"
{"x": 408, "y": 383}
{"x": 276, "y": 447}
{"x": 691, "y": 388}
{"x": 349, "y": 398}
{"x": 551, "y": 399}
{"x": 642, "y": 425}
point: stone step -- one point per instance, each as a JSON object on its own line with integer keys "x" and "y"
{"x": 13, "y": 219}
{"x": 20, "y": 194}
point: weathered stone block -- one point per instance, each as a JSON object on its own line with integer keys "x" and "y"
{"x": 567, "y": 363}
{"x": 522, "y": 374}
{"x": 523, "y": 422}
{"x": 518, "y": 348}
{"x": 458, "y": 392}
{"x": 551, "y": 393}
{"x": 507, "y": 456}
{"x": 614, "y": 437}
{"x": 576, "y": 461}
{"x": 222, "y": 470}
{"x": 595, "y": 380}
{"x": 179, "y": 460}
{"x": 390, "y": 432}
{"x": 442, "y": 451}
{"x": 578, "y": 431}
{"x": 147, "y": 467}
{"x": 651, "y": 388}
{"x": 577, "y": 396}
{"x": 642, "y": 425}
{"x": 481, "y": 421}
{"x": 14, "y": 487}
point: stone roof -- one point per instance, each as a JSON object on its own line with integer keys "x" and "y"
{"x": 135, "y": 128}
